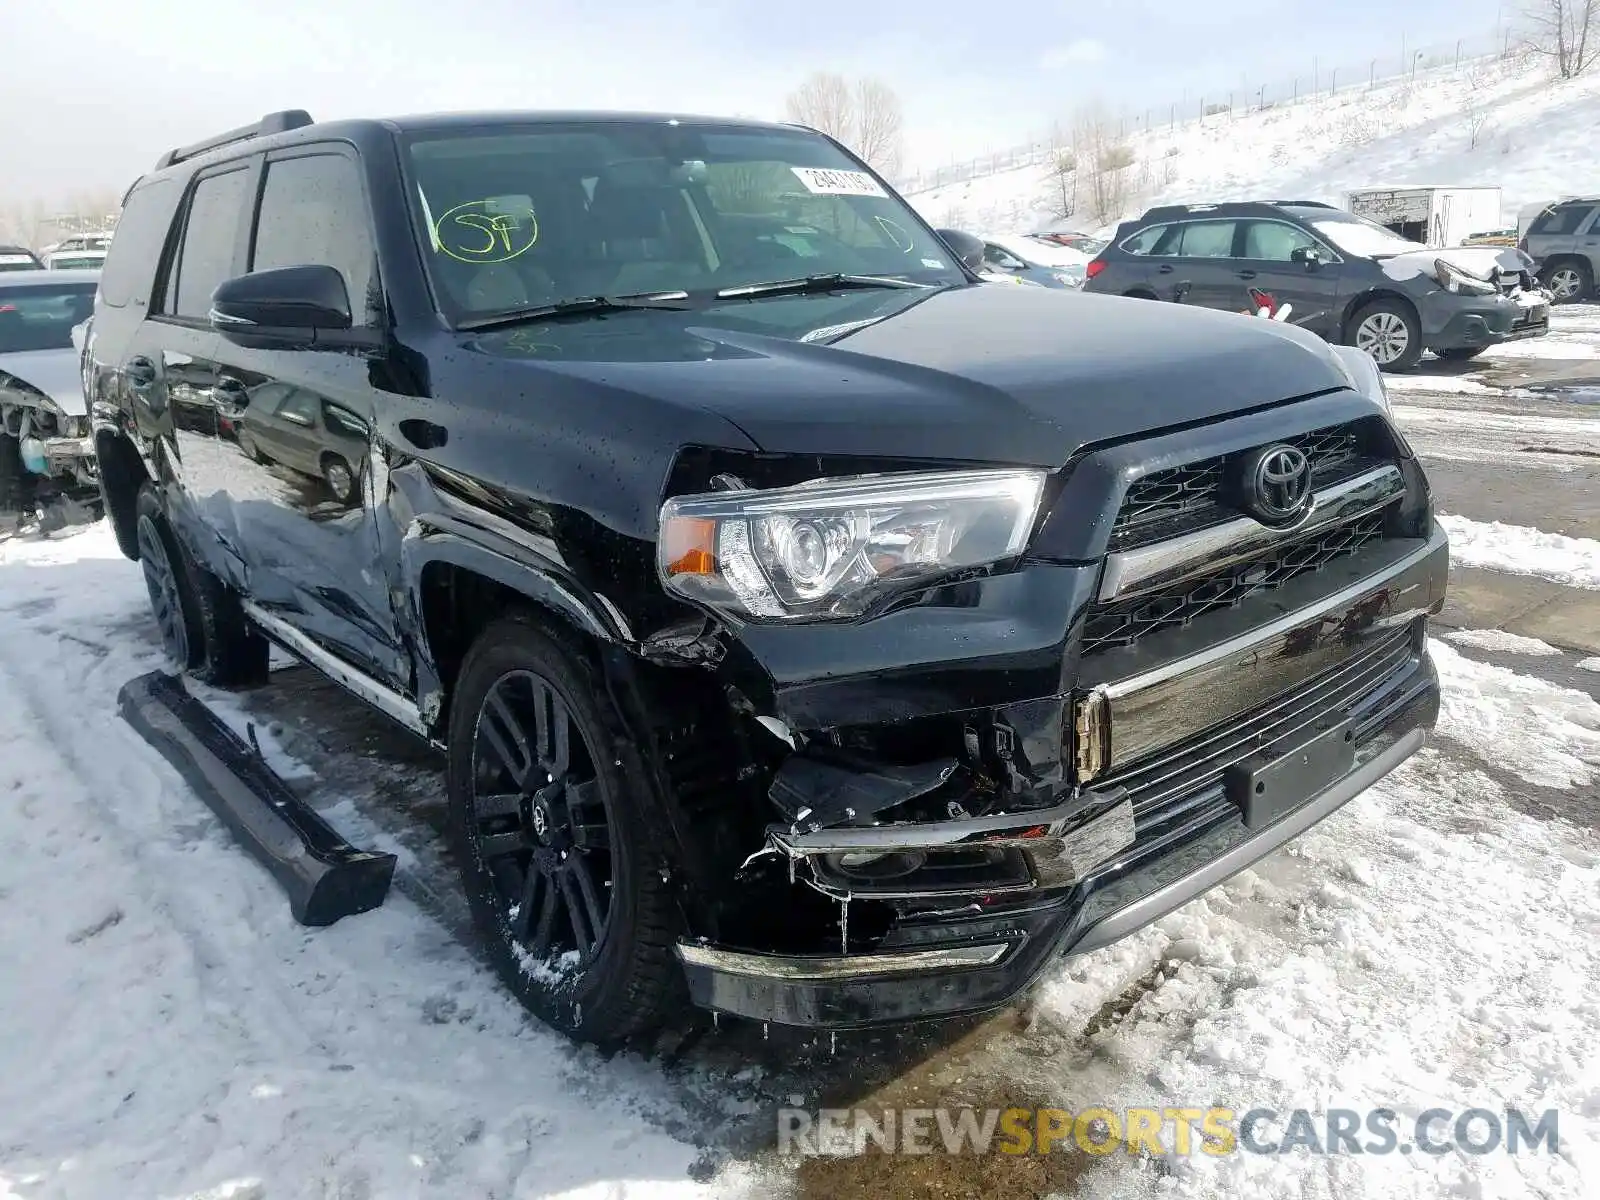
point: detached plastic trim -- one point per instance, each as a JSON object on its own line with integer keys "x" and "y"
{"x": 323, "y": 875}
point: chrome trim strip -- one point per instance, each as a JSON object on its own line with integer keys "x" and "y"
{"x": 386, "y": 701}
{"x": 1180, "y": 891}
{"x": 1130, "y": 571}
{"x": 1057, "y": 855}
{"x": 1245, "y": 641}
{"x": 821, "y": 968}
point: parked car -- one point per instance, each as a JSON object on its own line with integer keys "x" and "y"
{"x": 47, "y": 462}
{"x": 18, "y": 258}
{"x": 1048, "y": 265}
{"x": 1564, "y": 240}
{"x": 1348, "y": 279}
{"x": 75, "y": 260}
{"x": 1086, "y": 244}
{"x": 823, "y": 635}
{"x": 973, "y": 252}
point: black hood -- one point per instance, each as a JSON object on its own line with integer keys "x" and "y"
{"x": 986, "y": 373}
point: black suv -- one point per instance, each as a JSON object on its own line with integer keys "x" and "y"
{"x": 1347, "y": 279}
{"x": 807, "y": 625}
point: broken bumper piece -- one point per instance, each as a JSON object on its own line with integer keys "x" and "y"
{"x": 1034, "y": 848}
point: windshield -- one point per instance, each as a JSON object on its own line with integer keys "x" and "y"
{"x": 18, "y": 262}
{"x": 1365, "y": 239}
{"x": 41, "y": 318}
{"x": 527, "y": 216}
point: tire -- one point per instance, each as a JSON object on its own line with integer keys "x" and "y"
{"x": 1460, "y": 353}
{"x": 203, "y": 627}
{"x": 1391, "y": 333}
{"x": 568, "y": 835}
{"x": 341, "y": 480}
{"x": 1569, "y": 281}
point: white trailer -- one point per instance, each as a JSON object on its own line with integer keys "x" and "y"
{"x": 1434, "y": 216}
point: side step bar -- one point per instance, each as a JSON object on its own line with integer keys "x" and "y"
{"x": 324, "y": 876}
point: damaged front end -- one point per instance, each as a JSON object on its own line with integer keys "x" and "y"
{"x": 1082, "y": 724}
{"x": 48, "y": 469}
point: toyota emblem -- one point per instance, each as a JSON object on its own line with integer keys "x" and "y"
{"x": 1277, "y": 485}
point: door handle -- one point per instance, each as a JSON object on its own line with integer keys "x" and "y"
{"x": 1164, "y": 269}
{"x": 1247, "y": 274}
{"x": 229, "y": 396}
{"x": 141, "y": 373}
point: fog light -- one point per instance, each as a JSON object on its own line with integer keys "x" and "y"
{"x": 868, "y": 864}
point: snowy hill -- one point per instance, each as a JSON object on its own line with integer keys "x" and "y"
{"x": 1501, "y": 122}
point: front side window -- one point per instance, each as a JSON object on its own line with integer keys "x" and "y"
{"x": 41, "y": 318}
{"x": 1274, "y": 241}
{"x": 314, "y": 213}
{"x": 210, "y": 234}
{"x": 515, "y": 217}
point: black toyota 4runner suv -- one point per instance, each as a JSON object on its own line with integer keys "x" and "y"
{"x": 811, "y": 629}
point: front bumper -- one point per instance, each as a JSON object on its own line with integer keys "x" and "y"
{"x": 1157, "y": 829}
{"x": 1462, "y": 323}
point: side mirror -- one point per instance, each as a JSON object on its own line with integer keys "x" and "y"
{"x": 964, "y": 246}
{"x": 1308, "y": 257}
{"x": 290, "y": 304}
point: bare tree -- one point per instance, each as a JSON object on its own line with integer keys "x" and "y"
{"x": 1103, "y": 163}
{"x": 1063, "y": 184}
{"x": 1567, "y": 32}
{"x": 865, "y": 115}
{"x": 878, "y": 125}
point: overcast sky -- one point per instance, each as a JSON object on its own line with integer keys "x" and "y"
{"x": 92, "y": 91}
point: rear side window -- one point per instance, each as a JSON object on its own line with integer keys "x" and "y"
{"x": 1145, "y": 240}
{"x": 314, "y": 213}
{"x": 130, "y": 266}
{"x": 1563, "y": 219}
{"x": 209, "y": 237}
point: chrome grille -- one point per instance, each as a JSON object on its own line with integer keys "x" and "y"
{"x": 1179, "y": 498}
{"x": 1187, "y": 778}
{"x": 1125, "y": 622}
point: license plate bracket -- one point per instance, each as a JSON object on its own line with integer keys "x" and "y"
{"x": 1283, "y": 776}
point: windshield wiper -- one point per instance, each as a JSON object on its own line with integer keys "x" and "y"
{"x": 578, "y": 306}
{"x": 815, "y": 283}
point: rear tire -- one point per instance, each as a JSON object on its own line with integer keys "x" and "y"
{"x": 561, "y": 851}
{"x": 1389, "y": 331}
{"x": 203, "y": 627}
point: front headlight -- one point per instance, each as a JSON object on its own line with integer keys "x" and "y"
{"x": 1363, "y": 374}
{"x": 1453, "y": 279}
{"x": 825, "y": 550}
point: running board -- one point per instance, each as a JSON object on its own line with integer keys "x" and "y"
{"x": 324, "y": 876}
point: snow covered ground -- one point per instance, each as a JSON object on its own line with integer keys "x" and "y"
{"x": 1493, "y": 122}
{"x": 170, "y": 1032}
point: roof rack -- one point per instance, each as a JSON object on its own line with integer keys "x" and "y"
{"x": 277, "y": 122}
{"x": 1302, "y": 204}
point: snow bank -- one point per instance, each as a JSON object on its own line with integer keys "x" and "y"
{"x": 1521, "y": 550}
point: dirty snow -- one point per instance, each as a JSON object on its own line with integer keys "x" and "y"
{"x": 1523, "y": 551}
{"x": 170, "y": 1032}
{"x": 1500, "y": 642}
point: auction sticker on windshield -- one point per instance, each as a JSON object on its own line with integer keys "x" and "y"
{"x": 826, "y": 182}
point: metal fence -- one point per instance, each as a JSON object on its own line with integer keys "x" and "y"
{"x": 1318, "y": 80}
